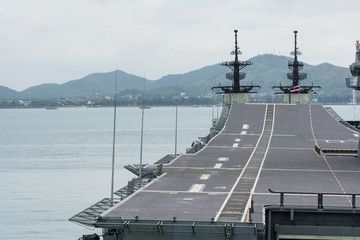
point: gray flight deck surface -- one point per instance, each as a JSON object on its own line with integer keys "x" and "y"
{"x": 262, "y": 146}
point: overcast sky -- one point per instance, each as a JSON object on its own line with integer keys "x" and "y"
{"x": 52, "y": 41}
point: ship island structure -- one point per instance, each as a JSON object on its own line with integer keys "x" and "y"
{"x": 265, "y": 171}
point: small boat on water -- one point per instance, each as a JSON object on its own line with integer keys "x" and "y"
{"x": 51, "y": 108}
{"x": 145, "y": 107}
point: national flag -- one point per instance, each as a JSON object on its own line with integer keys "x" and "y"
{"x": 295, "y": 89}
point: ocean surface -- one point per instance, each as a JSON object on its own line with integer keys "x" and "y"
{"x": 347, "y": 112}
{"x": 56, "y": 163}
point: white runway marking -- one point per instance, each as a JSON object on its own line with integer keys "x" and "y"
{"x": 205, "y": 177}
{"x": 197, "y": 188}
{"x": 236, "y": 134}
{"x": 218, "y": 165}
{"x": 284, "y": 135}
{"x": 291, "y": 148}
{"x": 203, "y": 168}
{"x": 185, "y": 192}
{"x": 225, "y": 147}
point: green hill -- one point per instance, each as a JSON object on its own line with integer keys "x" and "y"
{"x": 7, "y": 93}
{"x": 267, "y": 70}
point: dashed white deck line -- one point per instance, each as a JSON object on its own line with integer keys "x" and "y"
{"x": 307, "y": 170}
{"x": 338, "y": 141}
{"x": 218, "y": 165}
{"x": 237, "y": 134}
{"x": 245, "y": 126}
{"x": 188, "y": 199}
{"x": 292, "y": 148}
{"x": 243, "y": 132}
{"x": 223, "y": 159}
{"x": 284, "y": 135}
{"x": 197, "y": 188}
{"x": 207, "y": 168}
{"x": 226, "y": 147}
{"x": 205, "y": 177}
{"x": 242, "y": 172}
{"x": 185, "y": 192}
{"x": 299, "y": 194}
{"x": 237, "y": 140}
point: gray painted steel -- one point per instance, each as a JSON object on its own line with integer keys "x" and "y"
{"x": 194, "y": 187}
{"x": 199, "y": 187}
{"x": 202, "y": 186}
{"x": 292, "y": 164}
{"x": 208, "y": 195}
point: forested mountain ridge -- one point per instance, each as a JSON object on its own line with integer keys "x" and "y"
{"x": 267, "y": 70}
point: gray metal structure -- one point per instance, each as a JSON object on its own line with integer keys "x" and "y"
{"x": 354, "y": 68}
{"x": 235, "y": 76}
{"x": 295, "y": 76}
{"x": 221, "y": 192}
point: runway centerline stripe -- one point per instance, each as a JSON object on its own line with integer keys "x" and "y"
{"x": 205, "y": 177}
{"x": 218, "y": 165}
{"x": 197, "y": 188}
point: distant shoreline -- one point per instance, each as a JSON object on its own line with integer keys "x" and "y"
{"x": 121, "y": 106}
{"x": 59, "y": 107}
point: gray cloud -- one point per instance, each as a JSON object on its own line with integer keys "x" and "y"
{"x": 44, "y": 41}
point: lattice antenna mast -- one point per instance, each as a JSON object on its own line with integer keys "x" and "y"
{"x": 236, "y": 66}
{"x": 295, "y": 76}
{"x": 296, "y": 66}
{"x": 235, "y": 76}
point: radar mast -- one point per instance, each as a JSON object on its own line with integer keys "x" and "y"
{"x": 235, "y": 76}
{"x": 295, "y": 76}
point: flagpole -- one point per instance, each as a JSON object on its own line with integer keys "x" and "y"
{"x": 176, "y": 115}
{"x": 142, "y": 134}
{"x": 114, "y": 134}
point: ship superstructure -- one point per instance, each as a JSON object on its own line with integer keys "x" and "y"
{"x": 256, "y": 177}
{"x": 236, "y": 91}
{"x": 354, "y": 68}
{"x": 296, "y": 91}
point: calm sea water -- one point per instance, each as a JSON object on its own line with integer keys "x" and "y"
{"x": 56, "y": 163}
{"x": 347, "y": 112}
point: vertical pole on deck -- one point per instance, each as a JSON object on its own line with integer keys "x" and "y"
{"x": 176, "y": 115}
{"x": 142, "y": 133}
{"x": 113, "y": 153}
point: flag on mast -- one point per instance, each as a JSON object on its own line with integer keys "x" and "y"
{"x": 295, "y": 89}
